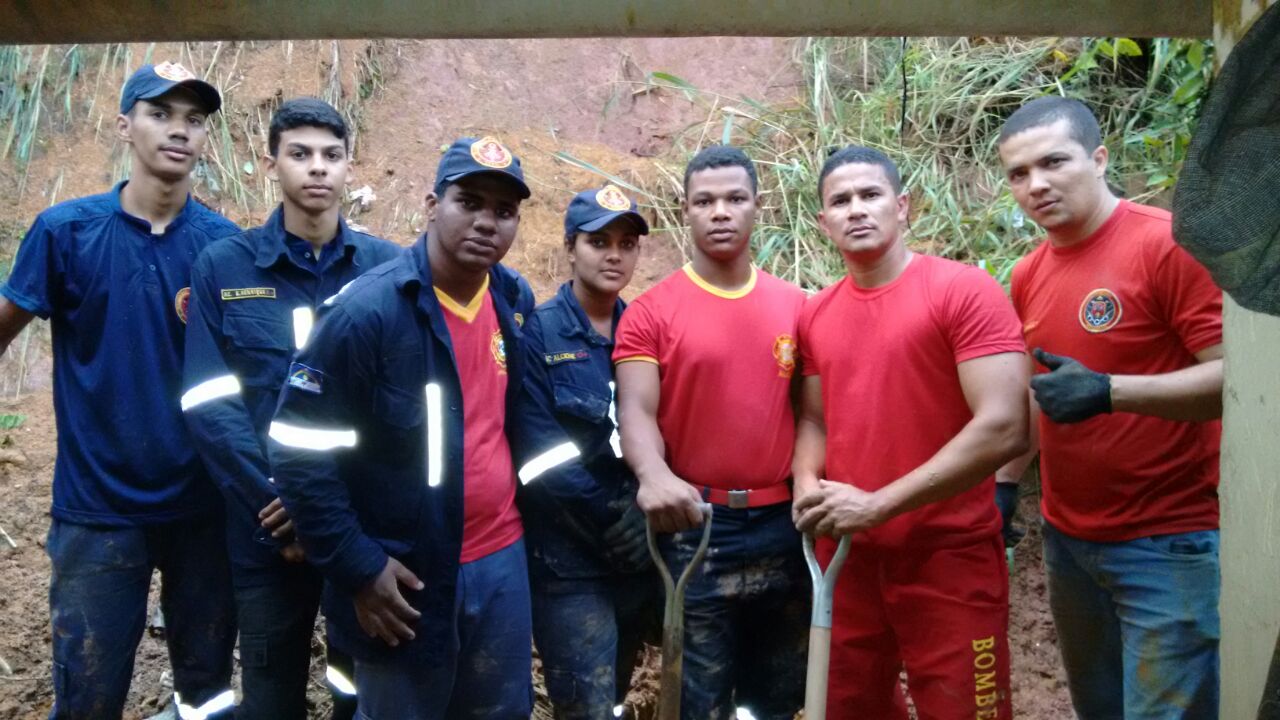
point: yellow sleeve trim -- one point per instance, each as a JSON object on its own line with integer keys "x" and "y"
{"x": 718, "y": 292}
{"x": 466, "y": 313}
{"x": 637, "y": 358}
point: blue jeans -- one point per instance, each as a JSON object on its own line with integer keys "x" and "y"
{"x": 488, "y": 671}
{"x": 277, "y": 619}
{"x": 588, "y": 632}
{"x": 98, "y": 600}
{"x": 746, "y": 615}
{"x": 1137, "y": 624}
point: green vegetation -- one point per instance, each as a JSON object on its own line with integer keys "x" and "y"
{"x": 957, "y": 94}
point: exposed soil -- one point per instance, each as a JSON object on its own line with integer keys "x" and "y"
{"x": 586, "y": 98}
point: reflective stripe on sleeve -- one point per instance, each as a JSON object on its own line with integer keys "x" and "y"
{"x": 303, "y": 319}
{"x": 555, "y": 456}
{"x": 210, "y": 390}
{"x": 311, "y": 438}
{"x": 435, "y": 435}
{"x": 222, "y": 701}
{"x": 339, "y": 682}
{"x": 615, "y": 440}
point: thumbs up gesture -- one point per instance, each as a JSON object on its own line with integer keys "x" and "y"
{"x": 1070, "y": 392}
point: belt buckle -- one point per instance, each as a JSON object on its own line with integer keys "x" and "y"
{"x": 738, "y": 499}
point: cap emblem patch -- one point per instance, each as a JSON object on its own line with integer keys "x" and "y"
{"x": 490, "y": 153}
{"x": 174, "y": 72}
{"x": 611, "y": 198}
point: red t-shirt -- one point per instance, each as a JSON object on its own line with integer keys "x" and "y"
{"x": 891, "y": 392}
{"x": 725, "y": 360}
{"x": 491, "y": 521}
{"x": 1127, "y": 300}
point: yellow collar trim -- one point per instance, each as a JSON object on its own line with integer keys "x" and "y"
{"x": 726, "y": 294}
{"x": 467, "y": 313}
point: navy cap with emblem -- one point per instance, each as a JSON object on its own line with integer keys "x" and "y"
{"x": 151, "y": 81}
{"x": 469, "y": 156}
{"x": 591, "y": 210}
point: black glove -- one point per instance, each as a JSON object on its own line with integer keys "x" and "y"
{"x": 626, "y": 542}
{"x": 1007, "y": 504}
{"x": 1070, "y": 392}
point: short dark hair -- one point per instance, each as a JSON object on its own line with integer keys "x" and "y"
{"x": 305, "y": 112}
{"x": 860, "y": 154}
{"x": 718, "y": 156}
{"x": 1049, "y": 110}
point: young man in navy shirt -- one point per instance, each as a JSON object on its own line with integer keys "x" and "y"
{"x": 253, "y": 299}
{"x": 111, "y": 273}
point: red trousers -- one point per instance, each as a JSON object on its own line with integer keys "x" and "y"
{"x": 943, "y": 613}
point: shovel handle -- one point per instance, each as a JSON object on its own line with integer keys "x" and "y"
{"x": 824, "y": 586}
{"x": 673, "y": 619}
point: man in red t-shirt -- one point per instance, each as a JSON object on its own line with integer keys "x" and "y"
{"x": 705, "y": 361}
{"x": 913, "y": 394}
{"x": 1129, "y": 329}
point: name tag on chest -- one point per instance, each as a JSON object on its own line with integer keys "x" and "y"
{"x": 249, "y": 293}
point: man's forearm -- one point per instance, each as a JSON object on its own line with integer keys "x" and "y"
{"x": 808, "y": 463}
{"x": 643, "y": 448}
{"x": 976, "y": 452}
{"x": 1193, "y": 393}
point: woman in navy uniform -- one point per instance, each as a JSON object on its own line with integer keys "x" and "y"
{"x": 594, "y": 592}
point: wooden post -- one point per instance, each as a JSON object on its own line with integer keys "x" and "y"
{"x": 1250, "y": 488}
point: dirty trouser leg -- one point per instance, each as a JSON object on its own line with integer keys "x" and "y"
{"x": 949, "y": 608}
{"x": 865, "y": 662}
{"x": 98, "y": 601}
{"x": 1166, "y": 591}
{"x": 576, "y": 631}
{"x": 774, "y": 618}
{"x": 1088, "y": 627}
{"x": 588, "y": 632}
{"x": 277, "y": 618}
{"x": 199, "y": 613}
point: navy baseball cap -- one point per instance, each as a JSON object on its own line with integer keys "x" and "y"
{"x": 591, "y": 210}
{"x": 468, "y": 156}
{"x": 151, "y": 81}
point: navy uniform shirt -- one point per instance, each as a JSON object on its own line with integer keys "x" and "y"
{"x": 571, "y": 366}
{"x": 367, "y": 445}
{"x": 253, "y": 300}
{"x": 116, "y": 296}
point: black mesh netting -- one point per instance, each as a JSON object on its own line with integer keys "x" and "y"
{"x": 1226, "y": 209}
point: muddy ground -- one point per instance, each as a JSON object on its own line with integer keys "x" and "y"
{"x": 586, "y": 98}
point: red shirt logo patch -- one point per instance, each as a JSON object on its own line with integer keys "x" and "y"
{"x": 1100, "y": 311}
{"x": 181, "y": 302}
{"x": 784, "y": 351}
{"x": 498, "y": 347}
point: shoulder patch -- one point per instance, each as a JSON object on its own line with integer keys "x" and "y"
{"x": 181, "y": 302}
{"x": 249, "y": 293}
{"x": 306, "y": 379}
{"x": 564, "y": 357}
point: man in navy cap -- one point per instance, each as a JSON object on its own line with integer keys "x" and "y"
{"x": 400, "y": 485}
{"x": 130, "y": 495}
{"x": 593, "y": 600}
{"x": 253, "y": 298}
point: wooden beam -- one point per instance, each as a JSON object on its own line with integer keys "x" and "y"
{"x": 44, "y": 21}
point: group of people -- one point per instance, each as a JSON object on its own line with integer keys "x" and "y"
{"x": 403, "y": 438}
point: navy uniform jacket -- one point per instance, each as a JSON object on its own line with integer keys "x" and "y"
{"x": 116, "y": 296}
{"x": 253, "y": 300}
{"x": 571, "y": 367}
{"x": 367, "y": 445}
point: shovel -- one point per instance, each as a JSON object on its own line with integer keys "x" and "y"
{"x": 824, "y": 587}
{"x": 673, "y": 620}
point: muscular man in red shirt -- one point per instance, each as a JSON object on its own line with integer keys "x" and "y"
{"x": 1127, "y": 329}
{"x": 913, "y": 395}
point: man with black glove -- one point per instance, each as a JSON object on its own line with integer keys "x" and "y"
{"x": 1127, "y": 329}
{"x": 593, "y": 586}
